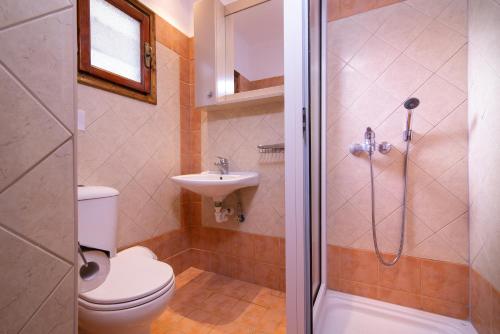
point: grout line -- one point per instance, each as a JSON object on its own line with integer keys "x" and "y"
{"x": 38, "y": 162}
{"x": 34, "y": 96}
{"x": 35, "y": 18}
{"x": 46, "y": 300}
{"x": 35, "y": 244}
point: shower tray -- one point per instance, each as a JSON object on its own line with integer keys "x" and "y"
{"x": 342, "y": 313}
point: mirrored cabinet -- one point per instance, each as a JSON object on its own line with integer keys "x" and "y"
{"x": 239, "y": 52}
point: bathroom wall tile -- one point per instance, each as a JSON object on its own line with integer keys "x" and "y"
{"x": 334, "y": 263}
{"x": 456, "y": 234}
{"x": 41, "y": 52}
{"x": 109, "y": 131}
{"x": 133, "y": 156}
{"x": 334, "y": 66}
{"x": 374, "y": 57}
{"x": 403, "y": 284}
{"x": 351, "y": 7}
{"x": 435, "y": 46}
{"x": 481, "y": 303}
{"x": 15, "y": 11}
{"x": 343, "y": 131}
{"x": 348, "y": 177}
{"x": 450, "y": 309}
{"x": 431, "y": 8}
{"x": 400, "y": 298}
{"x": 32, "y": 275}
{"x": 151, "y": 216}
{"x": 57, "y": 314}
{"x": 455, "y": 70}
{"x": 415, "y": 230}
{"x": 403, "y": 26}
{"x": 374, "y": 106}
{"x": 346, "y": 37}
{"x": 348, "y": 86}
{"x": 268, "y": 275}
{"x": 455, "y": 180}
{"x": 151, "y": 176}
{"x": 436, "y": 206}
{"x": 372, "y": 20}
{"x": 455, "y": 125}
{"x": 360, "y": 266}
{"x": 404, "y": 276}
{"x": 333, "y": 9}
{"x": 438, "y": 99}
{"x": 445, "y": 281}
{"x": 392, "y": 181}
{"x": 39, "y": 206}
{"x": 365, "y": 242}
{"x": 129, "y": 233}
{"x": 267, "y": 249}
{"x": 349, "y": 226}
{"x": 29, "y": 134}
{"x": 93, "y": 103}
{"x": 444, "y": 154}
{"x": 436, "y": 248}
{"x": 455, "y": 16}
{"x": 386, "y": 203}
{"x": 403, "y": 77}
{"x": 358, "y": 288}
{"x": 91, "y": 156}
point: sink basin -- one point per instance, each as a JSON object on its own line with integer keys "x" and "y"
{"x": 216, "y": 185}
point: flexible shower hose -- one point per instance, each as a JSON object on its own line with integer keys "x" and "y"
{"x": 403, "y": 223}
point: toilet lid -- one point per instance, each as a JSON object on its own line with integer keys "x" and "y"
{"x": 130, "y": 278}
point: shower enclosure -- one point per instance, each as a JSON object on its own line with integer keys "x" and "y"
{"x": 391, "y": 183}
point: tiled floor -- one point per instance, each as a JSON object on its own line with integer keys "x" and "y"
{"x": 214, "y": 304}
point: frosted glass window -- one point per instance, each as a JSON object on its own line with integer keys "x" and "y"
{"x": 115, "y": 40}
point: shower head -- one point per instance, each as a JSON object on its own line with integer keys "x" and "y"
{"x": 411, "y": 103}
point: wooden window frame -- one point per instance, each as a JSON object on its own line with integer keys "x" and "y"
{"x": 100, "y": 78}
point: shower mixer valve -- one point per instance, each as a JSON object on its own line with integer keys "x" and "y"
{"x": 370, "y": 145}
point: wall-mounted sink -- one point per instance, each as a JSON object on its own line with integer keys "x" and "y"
{"x": 216, "y": 185}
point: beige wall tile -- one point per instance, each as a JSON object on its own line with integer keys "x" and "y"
{"x": 346, "y": 37}
{"x": 455, "y": 70}
{"x": 32, "y": 275}
{"x": 41, "y": 52}
{"x": 143, "y": 145}
{"x": 15, "y": 11}
{"x": 56, "y": 316}
{"x": 41, "y": 204}
{"x": 431, "y": 8}
{"x": 403, "y": 77}
{"x": 374, "y": 58}
{"x": 437, "y": 173}
{"x": 403, "y": 26}
{"x": 29, "y": 131}
{"x": 455, "y": 16}
{"x": 435, "y": 46}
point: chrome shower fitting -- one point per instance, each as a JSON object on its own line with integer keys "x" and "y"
{"x": 409, "y": 105}
{"x": 370, "y": 145}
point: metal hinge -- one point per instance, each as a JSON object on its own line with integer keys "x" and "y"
{"x": 304, "y": 122}
{"x": 148, "y": 57}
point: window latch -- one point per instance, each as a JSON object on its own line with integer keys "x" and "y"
{"x": 148, "y": 57}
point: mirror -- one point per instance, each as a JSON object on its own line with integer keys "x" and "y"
{"x": 254, "y": 47}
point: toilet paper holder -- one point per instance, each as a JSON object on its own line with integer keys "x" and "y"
{"x": 89, "y": 269}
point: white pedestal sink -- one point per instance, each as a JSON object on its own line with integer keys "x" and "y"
{"x": 216, "y": 185}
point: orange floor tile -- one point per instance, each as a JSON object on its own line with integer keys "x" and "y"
{"x": 208, "y": 303}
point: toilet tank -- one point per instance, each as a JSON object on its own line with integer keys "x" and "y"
{"x": 98, "y": 218}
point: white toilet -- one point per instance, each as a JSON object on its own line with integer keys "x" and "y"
{"x": 137, "y": 288}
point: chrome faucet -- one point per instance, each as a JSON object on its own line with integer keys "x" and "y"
{"x": 223, "y": 165}
{"x": 370, "y": 146}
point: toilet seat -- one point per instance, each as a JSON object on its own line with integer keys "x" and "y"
{"x": 132, "y": 281}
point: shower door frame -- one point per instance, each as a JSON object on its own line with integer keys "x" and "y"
{"x": 300, "y": 310}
